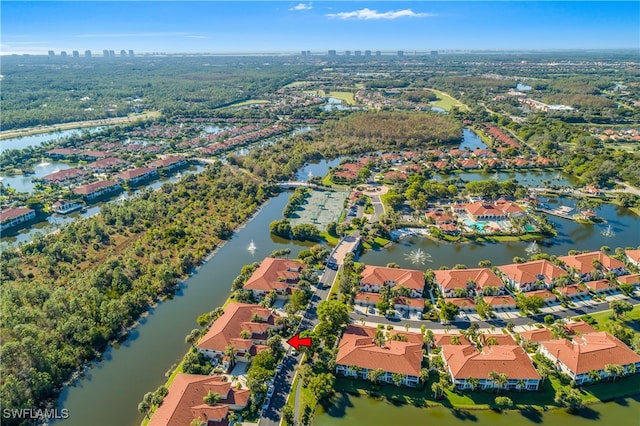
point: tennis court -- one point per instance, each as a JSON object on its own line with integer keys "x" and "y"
{"x": 321, "y": 208}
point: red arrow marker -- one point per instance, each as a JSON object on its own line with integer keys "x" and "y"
{"x": 297, "y": 341}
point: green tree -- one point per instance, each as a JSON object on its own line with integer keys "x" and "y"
{"x": 397, "y": 378}
{"x": 321, "y": 385}
{"x": 212, "y": 398}
{"x": 375, "y": 375}
{"x": 568, "y": 397}
{"x": 619, "y": 307}
{"x": 503, "y": 402}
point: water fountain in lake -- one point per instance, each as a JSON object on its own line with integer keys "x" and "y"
{"x": 310, "y": 175}
{"x": 418, "y": 257}
{"x": 252, "y": 248}
{"x": 43, "y": 164}
{"x": 608, "y": 232}
{"x": 533, "y": 249}
{"x": 496, "y": 176}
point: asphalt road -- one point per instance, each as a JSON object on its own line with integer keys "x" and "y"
{"x": 496, "y": 322}
{"x": 284, "y": 377}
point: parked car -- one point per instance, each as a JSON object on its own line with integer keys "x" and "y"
{"x": 266, "y": 404}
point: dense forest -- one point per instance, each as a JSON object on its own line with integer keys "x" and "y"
{"x": 58, "y": 90}
{"x": 59, "y": 311}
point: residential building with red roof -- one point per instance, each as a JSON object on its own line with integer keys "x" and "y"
{"x": 632, "y": 279}
{"x": 373, "y": 278}
{"x": 504, "y": 302}
{"x": 490, "y": 339}
{"x": 279, "y": 275}
{"x": 97, "y": 189}
{"x": 464, "y": 303}
{"x": 358, "y": 354}
{"x": 92, "y": 155}
{"x": 65, "y": 206}
{"x": 573, "y": 290}
{"x": 66, "y": 175}
{"x": 366, "y": 299}
{"x": 168, "y": 163}
{"x": 584, "y": 264}
{"x": 440, "y": 340}
{"x": 243, "y": 326}
{"x": 465, "y": 361}
{"x": 536, "y": 335}
{"x": 600, "y": 286}
{"x": 409, "y": 305}
{"x": 474, "y": 281}
{"x": 62, "y": 152}
{"x": 591, "y": 351}
{"x": 14, "y": 217}
{"x": 139, "y": 174}
{"x": 106, "y": 164}
{"x": 438, "y": 217}
{"x": 529, "y": 276}
{"x": 469, "y": 164}
{"x": 184, "y": 401}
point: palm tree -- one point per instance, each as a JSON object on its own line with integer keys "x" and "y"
{"x": 397, "y": 378}
{"x": 473, "y": 383}
{"x": 614, "y": 370}
{"x": 212, "y": 398}
{"x": 594, "y": 375}
{"x": 230, "y": 352}
{"x": 374, "y": 375}
{"x": 631, "y": 369}
{"x": 521, "y": 384}
{"x": 437, "y": 390}
{"x": 492, "y": 341}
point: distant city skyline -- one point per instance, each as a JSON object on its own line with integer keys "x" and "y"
{"x": 291, "y": 27}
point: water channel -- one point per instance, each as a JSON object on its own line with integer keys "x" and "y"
{"x": 355, "y": 410}
{"x": 108, "y": 395}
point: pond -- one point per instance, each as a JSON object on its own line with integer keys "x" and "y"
{"x": 471, "y": 140}
{"x": 355, "y": 410}
{"x": 25, "y": 183}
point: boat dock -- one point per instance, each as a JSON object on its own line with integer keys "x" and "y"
{"x": 562, "y": 211}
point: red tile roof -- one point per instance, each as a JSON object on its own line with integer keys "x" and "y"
{"x": 363, "y": 296}
{"x": 465, "y": 361}
{"x": 544, "y": 293}
{"x": 445, "y": 339}
{"x": 591, "y": 351}
{"x": 633, "y": 255}
{"x": 184, "y": 401}
{"x": 599, "y": 285}
{"x": 629, "y": 279}
{"x": 528, "y": 272}
{"x": 501, "y": 339}
{"x": 166, "y": 162}
{"x": 497, "y": 301}
{"x": 8, "y": 214}
{"x": 584, "y": 262}
{"x": 408, "y": 278}
{"x": 65, "y": 174}
{"x": 94, "y": 187}
{"x": 537, "y": 334}
{"x": 105, "y": 162}
{"x": 236, "y": 318}
{"x": 572, "y": 290}
{"x": 357, "y": 347}
{"x": 450, "y": 279}
{"x": 134, "y": 173}
{"x": 274, "y": 274}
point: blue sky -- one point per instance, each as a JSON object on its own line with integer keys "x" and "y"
{"x": 291, "y": 26}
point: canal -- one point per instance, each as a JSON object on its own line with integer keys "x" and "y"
{"x": 109, "y": 392}
{"x": 360, "y": 410}
{"x": 39, "y": 139}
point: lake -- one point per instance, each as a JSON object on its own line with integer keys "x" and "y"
{"x": 360, "y": 410}
{"x": 39, "y": 139}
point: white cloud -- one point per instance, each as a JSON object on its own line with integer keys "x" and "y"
{"x": 368, "y": 14}
{"x": 302, "y": 6}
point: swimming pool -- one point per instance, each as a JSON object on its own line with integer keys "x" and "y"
{"x": 478, "y": 226}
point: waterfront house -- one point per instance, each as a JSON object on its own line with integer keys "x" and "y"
{"x": 168, "y": 163}
{"x": 10, "y": 218}
{"x": 279, "y": 275}
{"x": 358, "y": 354}
{"x": 591, "y": 351}
{"x": 533, "y": 275}
{"x": 65, "y": 206}
{"x": 373, "y": 278}
{"x": 137, "y": 175}
{"x": 473, "y": 281}
{"x": 242, "y": 326}
{"x": 58, "y": 153}
{"x": 97, "y": 189}
{"x": 67, "y": 175}
{"x": 184, "y": 401}
{"x": 439, "y": 217}
{"x": 593, "y": 265}
{"x": 92, "y": 155}
{"x": 466, "y": 361}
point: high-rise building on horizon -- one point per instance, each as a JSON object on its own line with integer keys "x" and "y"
{"x": 378, "y": 53}
{"x": 434, "y": 53}
{"x": 131, "y": 54}
{"x": 347, "y": 53}
{"x": 105, "y": 53}
{"x": 400, "y": 52}
{"x": 76, "y": 54}
{"x": 358, "y": 53}
{"x": 51, "y": 53}
{"x": 367, "y": 53}
{"x": 123, "y": 53}
{"x": 87, "y": 53}
{"x": 112, "y": 54}
{"x": 332, "y": 53}
{"x": 63, "y": 53}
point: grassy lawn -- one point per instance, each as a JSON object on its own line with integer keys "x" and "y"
{"x": 327, "y": 180}
{"x": 298, "y": 83}
{"x": 245, "y": 103}
{"x": 482, "y": 400}
{"x": 447, "y": 102}
{"x": 330, "y": 239}
{"x": 347, "y": 97}
{"x": 378, "y": 242}
{"x": 604, "y": 317}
